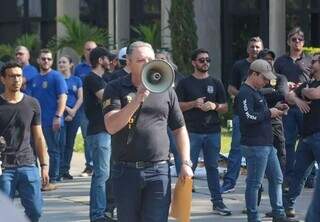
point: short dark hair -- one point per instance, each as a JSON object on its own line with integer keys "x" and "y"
{"x": 263, "y": 53}
{"x": 45, "y": 50}
{"x": 9, "y": 65}
{"x": 96, "y": 54}
{"x": 295, "y": 30}
{"x": 254, "y": 39}
{"x": 196, "y": 52}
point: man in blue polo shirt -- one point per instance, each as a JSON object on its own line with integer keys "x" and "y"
{"x": 257, "y": 141}
{"x": 82, "y": 70}
{"x": 51, "y": 90}
{"x": 29, "y": 71}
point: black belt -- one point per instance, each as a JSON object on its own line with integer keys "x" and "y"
{"x": 141, "y": 164}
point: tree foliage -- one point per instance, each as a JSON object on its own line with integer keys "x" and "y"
{"x": 150, "y": 34}
{"x": 183, "y": 33}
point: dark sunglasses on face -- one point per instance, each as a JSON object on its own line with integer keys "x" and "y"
{"x": 202, "y": 60}
{"x": 294, "y": 39}
{"x": 44, "y": 59}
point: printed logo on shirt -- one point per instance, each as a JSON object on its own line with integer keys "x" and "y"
{"x": 246, "y": 111}
{"x": 45, "y": 84}
{"x": 273, "y": 82}
{"x": 74, "y": 88}
{"x": 130, "y": 97}
{"x": 210, "y": 89}
{"x": 106, "y": 103}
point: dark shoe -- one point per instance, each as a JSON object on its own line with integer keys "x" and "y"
{"x": 290, "y": 212}
{"x": 221, "y": 209}
{"x": 86, "y": 172}
{"x": 284, "y": 219}
{"x": 67, "y": 176}
{"x": 227, "y": 188}
{"x": 269, "y": 214}
{"x": 49, "y": 187}
{"x": 309, "y": 183}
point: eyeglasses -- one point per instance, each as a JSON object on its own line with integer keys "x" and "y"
{"x": 313, "y": 61}
{"x": 45, "y": 58}
{"x": 202, "y": 60}
{"x": 300, "y": 39}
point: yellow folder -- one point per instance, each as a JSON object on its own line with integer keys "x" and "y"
{"x": 181, "y": 201}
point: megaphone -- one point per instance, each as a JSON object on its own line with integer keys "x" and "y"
{"x": 157, "y": 76}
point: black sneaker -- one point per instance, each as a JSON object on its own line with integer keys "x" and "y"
{"x": 86, "y": 172}
{"x": 221, "y": 209}
{"x": 283, "y": 219}
{"x": 269, "y": 214}
{"x": 290, "y": 212}
{"x": 67, "y": 176}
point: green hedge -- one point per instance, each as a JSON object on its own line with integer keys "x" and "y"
{"x": 311, "y": 50}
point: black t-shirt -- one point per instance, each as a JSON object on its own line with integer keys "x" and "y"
{"x": 254, "y": 116}
{"x": 92, "y": 106}
{"x": 118, "y": 74}
{"x": 295, "y": 71}
{"x": 150, "y": 140}
{"x": 311, "y": 120}
{"x": 15, "y": 126}
{"x": 191, "y": 88}
{"x": 239, "y": 73}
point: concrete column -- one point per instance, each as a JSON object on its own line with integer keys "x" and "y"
{"x": 277, "y": 26}
{"x": 119, "y": 22}
{"x": 207, "y": 18}
{"x": 165, "y": 30}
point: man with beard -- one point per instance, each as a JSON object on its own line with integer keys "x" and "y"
{"x": 50, "y": 88}
{"x": 97, "y": 137}
{"x": 202, "y": 98}
{"x": 238, "y": 76}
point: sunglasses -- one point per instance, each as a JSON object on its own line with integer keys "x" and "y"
{"x": 44, "y": 59}
{"x": 202, "y": 60}
{"x": 294, "y": 39}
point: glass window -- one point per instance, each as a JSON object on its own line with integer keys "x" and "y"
{"x": 35, "y": 8}
{"x": 11, "y": 9}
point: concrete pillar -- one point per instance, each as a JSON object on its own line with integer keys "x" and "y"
{"x": 70, "y": 8}
{"x": 207, "y": 18}
{"x": 119, "y": 22}
{"x": 277, "y": 26}
{"x": 165, "y": 30}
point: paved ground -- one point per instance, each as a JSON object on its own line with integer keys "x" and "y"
{"x": 70, "y": 201}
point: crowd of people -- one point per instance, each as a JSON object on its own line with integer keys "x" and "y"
{"x": 128, "y": 132}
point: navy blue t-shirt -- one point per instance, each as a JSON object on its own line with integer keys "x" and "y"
{"x": 254, "y": 116}
{"x": 191, "y": 88}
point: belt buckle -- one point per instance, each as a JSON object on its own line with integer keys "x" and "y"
{"x": 140, "y": 165}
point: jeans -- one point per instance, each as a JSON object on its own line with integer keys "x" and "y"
{"x": 142, "y": 195}
{"x": 54, "y": 140}
{"x": 26, "y": 180}
{"x": 292, "y": 124}
{"x": 87, "y": 149}
{"x": 235, "y": 155}
{"x": 210, "y": 145}
{"x": 313, "y": 213}
{"x": 101, "y": 147}
{"x": 308, "y": 151}
{"x": 70, "y": 133}
{"x": 261, "y": 160}
{"x": 174, "y": 151}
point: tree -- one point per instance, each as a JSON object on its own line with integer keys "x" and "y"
{"x": 183, "y": 33}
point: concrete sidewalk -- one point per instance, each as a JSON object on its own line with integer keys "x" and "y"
{"x": 71, "y": 201}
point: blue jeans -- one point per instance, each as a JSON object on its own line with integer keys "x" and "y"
{"x": 313, "y": 213}
{"x": 70, "y": 133}
{"x": 26, "y": 180}
{"x": 54, "y": 140}
{"x": 235, "y": 155}
{"x": 210, "y": 145}
{"x": 101, "y": 147}
{"x": 261, "y": 160}
{"x": 308, "y": 151}
{"x": 87, "y": 149}
{"x": 174, "y": 151}
{"x": 142, "y": 195}
{"x": 292, "y": 124}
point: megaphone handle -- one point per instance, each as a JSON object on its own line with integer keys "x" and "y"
{"x": 131, "y": 130}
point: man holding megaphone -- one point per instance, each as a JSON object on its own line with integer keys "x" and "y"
{"x": 137, "y": 116}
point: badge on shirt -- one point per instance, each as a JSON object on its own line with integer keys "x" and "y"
{"x": 273, "y": 82}
{"x": 106, "y": 103}
{"x": 74, "y": 88}
{"x": 130, "y": 97}
{"x": 210, "y": 89}
{"x": 45, "y": 84}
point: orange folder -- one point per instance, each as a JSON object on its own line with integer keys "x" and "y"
{"x": 181, "y": 201}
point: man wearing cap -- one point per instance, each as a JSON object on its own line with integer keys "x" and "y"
{"x": 307, "y": 98}
{"x": 97, "y": 137}
{"x": 257, "y": 140}
{"x": 124, "y": 70}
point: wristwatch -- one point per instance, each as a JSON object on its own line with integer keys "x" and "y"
{"x": 188, "y": 163}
